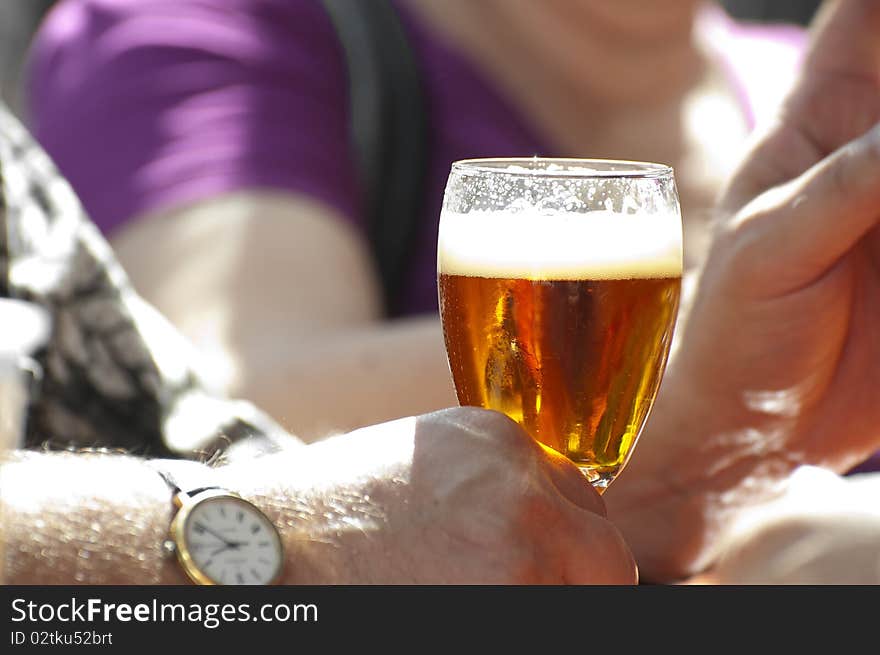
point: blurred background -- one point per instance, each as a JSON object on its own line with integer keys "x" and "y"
{"x": 18, "y": 21}
{"x": 20, "y": 18}
{"x": 796, "y": 11}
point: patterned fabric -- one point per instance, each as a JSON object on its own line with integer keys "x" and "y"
{"x": 115, "y": 373}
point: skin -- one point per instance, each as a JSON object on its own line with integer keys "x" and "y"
{"x": 426, "y": 500}
{"x": 822, "y": 530}
{"x": 262, "y": 337}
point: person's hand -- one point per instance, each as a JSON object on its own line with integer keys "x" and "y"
{"x": 823, "y": 529}
{"x": 459, "y": 496}
{"x": 784, "y": 334}
{"x": 777, "y": 360}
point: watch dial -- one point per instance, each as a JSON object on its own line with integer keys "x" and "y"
{"x": 232, "y": 542}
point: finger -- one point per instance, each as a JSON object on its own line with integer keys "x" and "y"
{"x": 791, "y": 234}
{"x": 593, "y": 550}
{"x": 844, "y": 37}
{"x": 572, "y": 484}
{"x": 843, "y": 61}
{"x": 566, "y": 477}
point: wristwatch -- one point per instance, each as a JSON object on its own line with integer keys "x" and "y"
{"x": 219, "y": 537}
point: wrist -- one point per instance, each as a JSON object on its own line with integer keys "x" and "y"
{"x": 308, "y": 519}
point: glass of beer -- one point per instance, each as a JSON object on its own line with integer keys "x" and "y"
{"x": 559, "y": 283}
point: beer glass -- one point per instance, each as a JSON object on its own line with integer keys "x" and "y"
{"x": 559, "y": 283}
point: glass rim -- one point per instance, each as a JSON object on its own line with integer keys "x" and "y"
{"x": 562, "y": 167}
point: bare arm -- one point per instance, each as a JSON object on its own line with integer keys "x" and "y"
{"x": 460, "y": 496}
{"x": 280, "y": 295}
{"x": 84, "y": 519}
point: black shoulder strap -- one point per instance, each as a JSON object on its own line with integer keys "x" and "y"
{"x": 388, "y": 130}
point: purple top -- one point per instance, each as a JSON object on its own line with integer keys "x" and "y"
{"x": 147, "y": 104}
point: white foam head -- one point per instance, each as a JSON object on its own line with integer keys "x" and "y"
{"x": 560, "y": 246}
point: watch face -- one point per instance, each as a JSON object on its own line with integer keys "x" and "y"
{"x": 225, "y": 540}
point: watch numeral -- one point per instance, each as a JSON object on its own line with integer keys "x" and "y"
{"x": 240, "y": 516}
{"x": 240, "y": 578}
{"x": 255, "y": 528}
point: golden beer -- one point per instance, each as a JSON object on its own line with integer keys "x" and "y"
{"x": 567, "y": 333}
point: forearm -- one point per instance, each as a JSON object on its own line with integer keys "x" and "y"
{"x": 285, "y": 311}
{"x": 357, "y": 376}
{"x": 84, "y": 519}
{"x": 88, "y": 518}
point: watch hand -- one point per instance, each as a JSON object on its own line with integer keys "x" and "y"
{"x": 229, "y": 544}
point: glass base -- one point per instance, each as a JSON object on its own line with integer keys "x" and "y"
{"x": 599, "y": 479}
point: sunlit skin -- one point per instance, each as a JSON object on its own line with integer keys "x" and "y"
{"x": 421, "y": 500}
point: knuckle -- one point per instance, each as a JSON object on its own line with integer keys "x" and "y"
{"x": 853, "y": 170}
{"x": 869, "y": 150}
{"x": 840, "y": 173}
{"x": 490, "y": 425}
{"x": 742, "y": 249}
{"x": 510, "y": 436}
